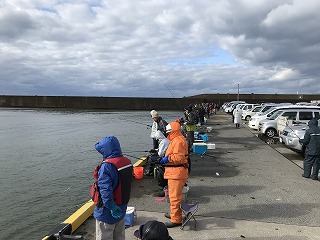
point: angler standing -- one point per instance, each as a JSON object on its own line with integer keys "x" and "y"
{"x": 158, "y": 124}
{"x": 114, "y": 184}
{"x": 312, "y": 153}
{"x": 190, "y": 126}
{"x": 176, "y": 171}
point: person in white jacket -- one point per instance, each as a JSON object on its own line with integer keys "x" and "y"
{"x": 158, "y": 124}
{"x": 163, "y": 143}
{"x": 237, "y": 117}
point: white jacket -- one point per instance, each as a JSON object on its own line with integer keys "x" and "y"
{"x": 154, "y": 129}
{"x": 237, "y": 116}
{"x": 163, "y": 143}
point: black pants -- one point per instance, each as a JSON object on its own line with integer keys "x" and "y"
{"x": 155, "y": 143}
{"x": 190, "y": 140}
{"x": 311, "y": 162}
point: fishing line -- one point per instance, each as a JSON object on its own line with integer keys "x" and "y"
{"x": 135, "y": 151}
{"x": 131, "y": 156}
{"x": 144, "y": 124}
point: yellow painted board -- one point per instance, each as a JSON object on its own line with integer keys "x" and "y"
{"x": 142, "y": 161}
{"x": 78, "y": 217}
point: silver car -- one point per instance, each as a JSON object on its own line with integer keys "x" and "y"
{"x": 291, "y": 134}
{"x": 290, "y": 137}
{"x": 298, "y": 114}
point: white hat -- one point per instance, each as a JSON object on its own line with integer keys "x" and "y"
{"x": 168, "y": 128}
{"x": 154, "y": 113}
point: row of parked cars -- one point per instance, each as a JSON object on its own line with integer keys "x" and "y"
{"x": 286, "y": 120}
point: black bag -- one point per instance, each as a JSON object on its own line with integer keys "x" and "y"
{"x": 160, "y": 176}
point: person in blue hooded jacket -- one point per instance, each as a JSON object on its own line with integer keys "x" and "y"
{"x": 114, "y": 182}
{"x": 312, "y": 153}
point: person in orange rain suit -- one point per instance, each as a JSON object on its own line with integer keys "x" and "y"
{"x": 176, "y": 171}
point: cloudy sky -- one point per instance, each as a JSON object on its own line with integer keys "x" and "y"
{"x": 159, "y": 48}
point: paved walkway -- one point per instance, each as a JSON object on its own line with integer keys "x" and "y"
{"x": 258, "y": 193}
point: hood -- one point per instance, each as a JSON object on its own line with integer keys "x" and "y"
{"x": 159, "y": 135}
{"x": 313, "y": 122}
{"x": 109, "y": 147}
{"x": 173, "y": 130}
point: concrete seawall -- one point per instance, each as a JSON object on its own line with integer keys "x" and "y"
{"x": 103, "y": 103}
{"x": 134, "y": 103}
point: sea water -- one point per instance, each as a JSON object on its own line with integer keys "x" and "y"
{"x": 47, "y": 158}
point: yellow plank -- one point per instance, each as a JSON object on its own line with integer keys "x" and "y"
{"x": 78, "y": 217}
{"x": 141, "y": 162}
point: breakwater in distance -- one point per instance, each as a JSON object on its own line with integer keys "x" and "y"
{"x": 135, "y": 103}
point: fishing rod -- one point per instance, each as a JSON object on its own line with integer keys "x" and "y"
{"x": 135, "y": 151}
{"x": 131, "y": 156}
{"x": 293, "y": 132}
{"x": 166, "y": 87}
{"x": 144, "y": 124}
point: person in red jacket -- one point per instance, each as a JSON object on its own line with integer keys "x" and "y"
{"x": 176, "y": 171}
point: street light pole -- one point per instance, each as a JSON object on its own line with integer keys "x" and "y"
{"x": 238, "y": 92}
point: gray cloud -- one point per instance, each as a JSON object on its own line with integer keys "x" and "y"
{"x": 146, "y": 48}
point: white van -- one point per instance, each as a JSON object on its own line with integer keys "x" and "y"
{"x": 296, "y": 114}
{"x": 262, "y": 114}
{"x": 232, "y": 106}
{"x": 247, "y": 113}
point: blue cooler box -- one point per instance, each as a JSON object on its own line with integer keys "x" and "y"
{"x": 199, "y": 148}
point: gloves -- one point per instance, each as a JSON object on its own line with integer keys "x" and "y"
{"x": 116, "y": 211}
{"x": 165, "y": 160}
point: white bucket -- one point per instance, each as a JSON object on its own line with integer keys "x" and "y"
{"x": 211, "y": 146}
{"x": 209, "y": 129}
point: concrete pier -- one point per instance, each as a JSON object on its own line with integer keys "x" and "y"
{"x": 258, "y": 192}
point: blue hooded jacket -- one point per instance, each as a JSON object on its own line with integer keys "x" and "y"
{"x": 108, "y": 147}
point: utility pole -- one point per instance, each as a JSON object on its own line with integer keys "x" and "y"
{"x": 238, "y": 92}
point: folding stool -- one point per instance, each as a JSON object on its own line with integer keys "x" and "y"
{"x": 189, "y": 210}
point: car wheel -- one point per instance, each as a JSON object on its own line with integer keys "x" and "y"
{"x": 270, "y": 132}
{"x": 247, "y": 118}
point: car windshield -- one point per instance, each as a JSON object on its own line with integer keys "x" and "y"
{"x": 266, "y": 108}
{"x": 270, "y": 110}
{"x": 275, "y": 115}
{"x": 256, "y": 109}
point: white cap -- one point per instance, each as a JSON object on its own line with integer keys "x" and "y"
{"x": 154, "y": 113}
{"x": 168, "y": 128}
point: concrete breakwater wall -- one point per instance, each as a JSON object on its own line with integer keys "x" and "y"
{"x": 133, "y": 103}
{"x": 103, "y": 103}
